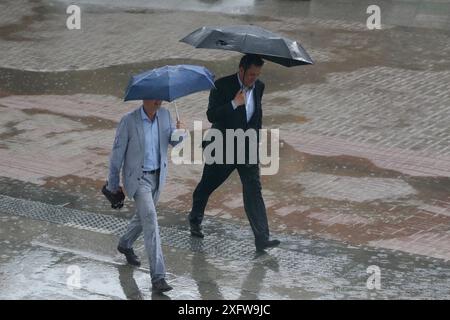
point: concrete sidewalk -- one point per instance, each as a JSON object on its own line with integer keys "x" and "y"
{"x": 364, "y": 150}
{"x": 40, "y": 260}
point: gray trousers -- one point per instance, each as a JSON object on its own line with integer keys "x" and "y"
{"x": 145, "y": 221}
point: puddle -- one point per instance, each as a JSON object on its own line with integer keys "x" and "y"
{"x": 90, "y": 123}
{"x": 39, "y": 12}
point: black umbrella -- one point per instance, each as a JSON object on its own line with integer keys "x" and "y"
{"x": 250, "y": 39}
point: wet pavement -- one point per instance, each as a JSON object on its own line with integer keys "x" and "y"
{"x": 364, "y": 173}
{"x": 40, "y": 254}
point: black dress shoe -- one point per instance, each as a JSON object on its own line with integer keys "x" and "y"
{"x": 131, "y": 257}
{"x": 268, "y": 244}
{"x": 161, "y": 286}
{"x": 196, "y": 230}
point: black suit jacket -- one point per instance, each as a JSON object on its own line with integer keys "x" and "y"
{"x": 223, "y": 116}
{"x": 220, "y": 110}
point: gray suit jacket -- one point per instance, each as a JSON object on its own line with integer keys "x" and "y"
{"x": 128, "y": 150}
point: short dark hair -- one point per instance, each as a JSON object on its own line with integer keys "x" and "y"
{"x": 251, "y": 59}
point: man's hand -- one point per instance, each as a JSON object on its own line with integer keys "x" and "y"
{"x": 239, "y": 99}
{"x": 116, "y": 198}
{"x": 180, "y": 125}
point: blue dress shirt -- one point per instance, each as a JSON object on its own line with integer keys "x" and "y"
{"x": 151, "y": 136}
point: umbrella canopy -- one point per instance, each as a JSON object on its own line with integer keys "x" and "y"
{"x": 250, "y": 39}
{"x": 169, "y": 83}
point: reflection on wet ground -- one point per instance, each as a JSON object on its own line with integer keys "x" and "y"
{"x": 38, "y": 259}
{"x": 364, "y": 156}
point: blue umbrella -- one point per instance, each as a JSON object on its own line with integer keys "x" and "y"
{"x": 169, "y": 83}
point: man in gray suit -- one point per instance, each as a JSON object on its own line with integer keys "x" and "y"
{"x": 140, "y": 151}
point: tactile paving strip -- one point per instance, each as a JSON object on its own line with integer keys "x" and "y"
{"x": 216, "y": 244}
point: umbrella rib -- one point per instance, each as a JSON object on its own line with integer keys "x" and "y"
{"x": 168, "y": 82}
{"x": 202, "y": 39}
{"x": 209, "y": 35}
{"x": 143, "y": 78}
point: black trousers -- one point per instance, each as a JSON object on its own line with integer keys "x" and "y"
{"x": 213, "y": 176}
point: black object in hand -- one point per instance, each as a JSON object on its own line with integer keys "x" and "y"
{"x": 116, "y": 199}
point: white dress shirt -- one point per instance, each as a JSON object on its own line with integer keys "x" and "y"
{"x": 249, "y": 101}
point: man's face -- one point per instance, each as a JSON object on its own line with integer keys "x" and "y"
{"x": 251, "y": 75}
{"x": 152, "y": 104}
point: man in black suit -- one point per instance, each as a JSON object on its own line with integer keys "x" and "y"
{"x": 235, "y": 103}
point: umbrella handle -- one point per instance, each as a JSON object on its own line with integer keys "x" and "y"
{"x": 176, "y": 111}
{"x": 243, "y": 87}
